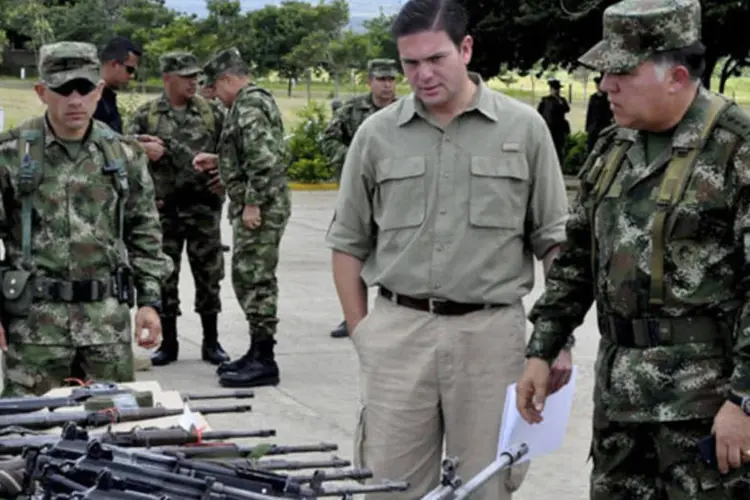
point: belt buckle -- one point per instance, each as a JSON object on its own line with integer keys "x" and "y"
{"x": 433, "y": 303}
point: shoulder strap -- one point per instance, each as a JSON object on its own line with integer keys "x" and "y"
{"x": 153, "y": 116}
{"x": 206, "y": 113}
{"x": 31, "y": 152}
{"x": 671, "y": 190}
{"x": 114, "y": 158}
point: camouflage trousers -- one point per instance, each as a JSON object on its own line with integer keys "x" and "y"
{"x": 198, "y": 229}
{"x": 657, "y": 461}
{"x": 32, "y": 369}
{"x": 255, "y": 257}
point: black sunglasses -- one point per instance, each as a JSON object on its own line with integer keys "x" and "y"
{"x": 83, "y": 87}
{"x": 130, "y": 69}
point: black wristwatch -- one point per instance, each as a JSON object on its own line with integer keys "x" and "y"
{"x": 742, "y": 401}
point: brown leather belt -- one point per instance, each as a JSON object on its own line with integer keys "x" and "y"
{"x": 433, "y": 305}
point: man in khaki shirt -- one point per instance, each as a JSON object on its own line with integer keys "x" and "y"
{"x": 445, "y": 198}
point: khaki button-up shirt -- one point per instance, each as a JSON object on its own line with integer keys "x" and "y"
{"x": 451, "y": 212}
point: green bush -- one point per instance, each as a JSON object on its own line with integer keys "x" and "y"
{"x": 574, "y": 153}
{"x": 305, "y": 157}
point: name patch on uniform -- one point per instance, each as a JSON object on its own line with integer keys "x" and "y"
{"x": 511, "y": 147}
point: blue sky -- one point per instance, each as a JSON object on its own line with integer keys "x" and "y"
{"x": 358, "y": 8}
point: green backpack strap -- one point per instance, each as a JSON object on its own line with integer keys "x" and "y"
{"x": 207, "y": 114}
{"x": 31, "y": 151}
{"x": 672, "y": 189}
{"x": 153, "y": 117}
{"x": 114, "y": 158}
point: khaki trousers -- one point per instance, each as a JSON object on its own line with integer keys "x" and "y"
{"x": 429, "y": 381}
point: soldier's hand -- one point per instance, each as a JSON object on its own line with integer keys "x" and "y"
{"x": 531, "y": 390}
{"x": 251, "y": 217}
{"x": 144, "y": 138}
{"x": 147, "y": 327}
{"x": 154, "y": 150}
{"x": 732, "y": 430}
{"x": 203, "y": 162}
{"x": 215, "y": 185}
{"x": 561, "y": 371}
{"x": 3, "y": 341}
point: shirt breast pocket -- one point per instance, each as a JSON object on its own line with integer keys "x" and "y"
{"x": 401, "y": 194}
{"x": 499, "y": 190}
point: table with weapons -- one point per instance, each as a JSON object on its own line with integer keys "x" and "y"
{"x": 137, "y": 441}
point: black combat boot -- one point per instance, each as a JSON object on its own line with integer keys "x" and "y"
{"x": 169, "y": 348}
{"x": 260, "y": 371}
{"x": 211, "y": 350}
{"x": 340, "y": 331}
{"x": 239, "y": 363}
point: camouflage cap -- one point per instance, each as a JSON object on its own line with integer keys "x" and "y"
{"x": 220, "y": 62}
{"x": 181, "y": 63}
{"x": 382, "y": 68}
{"x": 62, "y": 62}
{"x": 635, "y": 30}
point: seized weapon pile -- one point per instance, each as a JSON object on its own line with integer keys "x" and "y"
{"x": 175, "y": 463}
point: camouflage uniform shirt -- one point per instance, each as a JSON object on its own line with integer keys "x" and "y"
{"x": 707, "y": 251}
{"x": 74, "y": 236}
{"x": 252, "y": 151}
{"x": 184, "y": 136}
{"x": 340, "y": 131}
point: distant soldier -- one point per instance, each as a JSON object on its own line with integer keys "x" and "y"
{"x": 189, "y": 202}
{"x": 82, "y": 236}
{"x": 346, "y": 120}
{"x": 205, "y": 91}
{"x": 253, "y": 167}
{"x": 553, "y": 109}
{"x": 598, "y": 115}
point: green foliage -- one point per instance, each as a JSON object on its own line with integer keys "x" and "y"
{"x": 574, "y": 153}
{"x": 127, "y": 106}
{"x": 305, "y": 158}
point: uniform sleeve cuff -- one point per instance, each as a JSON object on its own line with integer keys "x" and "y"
{"x": 546, "y": 342}
{"x": 149, "y": 292}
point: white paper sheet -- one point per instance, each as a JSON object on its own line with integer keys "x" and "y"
{"x": 542, "y": 438}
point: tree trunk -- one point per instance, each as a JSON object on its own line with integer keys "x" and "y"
{"x": 726, "y": 71}
{"x": 711, "y": 61}
{"x": 289, "y": 87}
{"x": 308, "y": 84}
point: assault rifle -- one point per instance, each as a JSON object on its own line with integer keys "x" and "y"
{"x": 451, "y": 485}
{"x": 80, "y": 395}
{"x": 75, "y": 468}
{"x": 140, "y": 438}
{"x": 41, "y": 421}
{"x": 232, "y": 450}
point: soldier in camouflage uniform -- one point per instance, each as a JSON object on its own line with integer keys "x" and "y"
{"x": 253, "y": 168}
{"x": 348, "y": 117}
{"x": 659, "y": 240}
{"x": 80, "y": 228}
{"x": 189, "y": 202}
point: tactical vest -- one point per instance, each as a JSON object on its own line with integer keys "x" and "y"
{"x": 601, "y": 174}
{"x": 30, "y": 138}
{"x": 207, "y": 115}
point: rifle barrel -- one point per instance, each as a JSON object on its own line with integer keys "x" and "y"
{"x": 39, "y": 421}
{"x": 219, "y": 395}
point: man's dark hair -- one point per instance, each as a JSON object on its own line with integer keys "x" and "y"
{"x": 118, "y": 50}
{"x": 417, "y": 16}
{"x": 693, "y": 57}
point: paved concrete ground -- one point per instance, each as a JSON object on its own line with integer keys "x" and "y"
{"x": 317, "y": 398}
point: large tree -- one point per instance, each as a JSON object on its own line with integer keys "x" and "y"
{"x": 519, "y": 34}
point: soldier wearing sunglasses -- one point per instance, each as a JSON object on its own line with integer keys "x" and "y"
{"x": 79, "y": 223}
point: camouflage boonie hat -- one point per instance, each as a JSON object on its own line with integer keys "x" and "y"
{"x": 180, "y": 63}
{"x": 382, "y": 68}
{"x": 221, "y": 62}
{"x": 635, "y": 30}
{"x": 62, "y": 62}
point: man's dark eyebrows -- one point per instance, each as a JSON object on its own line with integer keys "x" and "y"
{"x": 431, "y": 56}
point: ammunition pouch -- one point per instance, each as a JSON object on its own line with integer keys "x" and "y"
{"x": 641, "y": 333}
{"x": 18, "y": 293}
